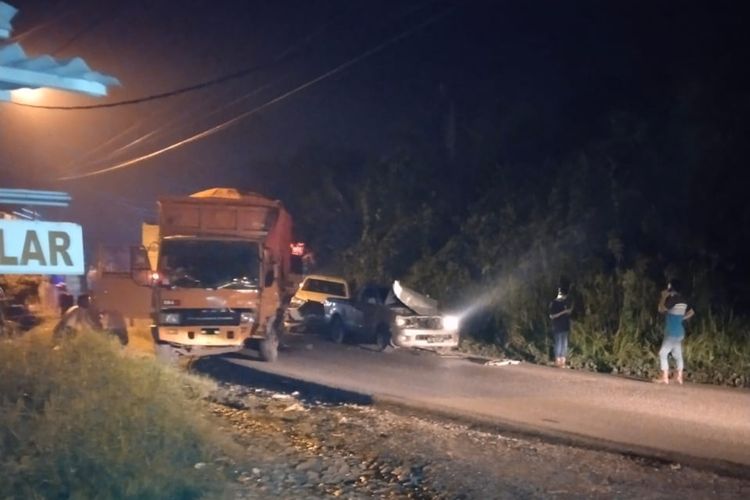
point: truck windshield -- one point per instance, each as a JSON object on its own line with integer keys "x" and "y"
{"x": 209, "y": 263}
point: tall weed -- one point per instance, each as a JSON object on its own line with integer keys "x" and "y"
{"x": 84, "y": 421}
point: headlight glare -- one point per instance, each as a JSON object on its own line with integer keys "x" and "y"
{"x": 171, "y": 318}
{"x": 451, "y": 322}
{"x": 247, "y": 317}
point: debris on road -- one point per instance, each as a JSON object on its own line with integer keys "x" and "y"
{"x": 281, "y": 396}
{"x": 502, "y": 362}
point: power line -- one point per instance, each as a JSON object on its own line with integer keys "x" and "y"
{"x": 291, "y": 49}
{"x": 218, "y": 128}
{"x": 163, "y": 95}
{"x": 189, "y": 113}
{"x": 190, "y": 88}
{"x": 281, "y": 58}
{"x": 44, "y": 24}
{"x": 179, "y": 119}
{"x": 107, "y": 15}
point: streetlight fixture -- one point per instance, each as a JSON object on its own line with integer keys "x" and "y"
{"x": 18, "y": 71}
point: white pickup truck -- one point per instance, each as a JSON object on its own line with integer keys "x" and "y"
{"x": 394, "y": 316}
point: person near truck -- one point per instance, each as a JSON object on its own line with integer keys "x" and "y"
{"x": 676, "y": 311}
{"x": 560, "y": 310}
{"x": 77, "y": 318}
{"x": 65, "y": 299}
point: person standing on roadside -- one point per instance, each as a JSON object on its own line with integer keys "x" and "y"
{"x": 77, "y": 318}
{"x": 64, "y": 298}
{"x": 559, "y": 313}
{"x": 676, "y": 311}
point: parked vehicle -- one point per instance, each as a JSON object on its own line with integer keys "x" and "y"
{"x": 306, "y": 312}
{"x": 118, "y": 300}
{"x": 222, "y": 276}
{"x": 391, "y": 316}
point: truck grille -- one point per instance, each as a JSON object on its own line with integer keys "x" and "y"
{"x": 207, "y": 317}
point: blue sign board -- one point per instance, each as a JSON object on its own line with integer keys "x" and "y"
{"x": 36, "y": 247}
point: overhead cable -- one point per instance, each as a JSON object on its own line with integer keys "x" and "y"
{"x": 233, "y": 121}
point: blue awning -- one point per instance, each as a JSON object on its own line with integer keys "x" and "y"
{"x": 6, "y": 14}
{"x": 29, "y": 197}
{"x": 17, "y": 70}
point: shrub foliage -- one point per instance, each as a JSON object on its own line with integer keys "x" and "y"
{"x": 84, "y": 421}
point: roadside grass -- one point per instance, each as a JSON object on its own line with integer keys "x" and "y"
{"x": 716, "y": 350}
{"x": 83, "y": 421}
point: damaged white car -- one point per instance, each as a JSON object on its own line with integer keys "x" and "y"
{"x": 419, "y": 322}
{"x": 395, "y": 316}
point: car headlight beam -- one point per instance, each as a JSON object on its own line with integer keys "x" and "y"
{"x": 451, "y": 322}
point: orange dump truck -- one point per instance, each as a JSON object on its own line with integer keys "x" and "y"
{"x": 222, "y": 273}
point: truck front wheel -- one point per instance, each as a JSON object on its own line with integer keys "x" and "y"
{"x": 268, "y": 348}
{"x": 166, "y": 354}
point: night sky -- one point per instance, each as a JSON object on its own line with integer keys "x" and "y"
{"x": 565, "y": 61}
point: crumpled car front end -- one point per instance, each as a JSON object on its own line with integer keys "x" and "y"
{"x": 418, "y": 323}
{"x": 427, "y": 332}
{"x": 301, "y": 314}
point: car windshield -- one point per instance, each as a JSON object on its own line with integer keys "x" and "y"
{"x": 332, "y": 288}
{"x": 210, "y": 263}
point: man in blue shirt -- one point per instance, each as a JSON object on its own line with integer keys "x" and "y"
{"x": 675, "y": 310}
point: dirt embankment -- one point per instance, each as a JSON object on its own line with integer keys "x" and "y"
{"x": 307, "y": 449}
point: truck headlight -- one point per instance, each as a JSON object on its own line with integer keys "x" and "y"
{"x": 451, "y": 322}
{"x": 400, "y": 321}
{"x": 171, "y": 318}
{"x": 247, "y": 317}
{"x": 296, "y": 302}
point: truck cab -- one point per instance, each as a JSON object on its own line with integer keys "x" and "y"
{"x": 220, "y": 281}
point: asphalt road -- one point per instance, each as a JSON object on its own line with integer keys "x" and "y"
{"x": 691, "y": 423}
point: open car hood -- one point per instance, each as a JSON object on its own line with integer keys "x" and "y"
{"x": 415, "y": 301}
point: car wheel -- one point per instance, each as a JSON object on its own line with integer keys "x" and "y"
{"x": 383, "y": 337}
{"x": 338, "y": 331}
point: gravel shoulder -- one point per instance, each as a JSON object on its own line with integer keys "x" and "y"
{"x": 297, "y": 448}
{"x": 312, "y": 446}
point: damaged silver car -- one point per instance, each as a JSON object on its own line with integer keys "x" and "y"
{"x": 418, "y": 321}
{"x": 395, "y": 316}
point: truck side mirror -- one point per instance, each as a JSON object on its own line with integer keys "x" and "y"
{"x": 140, "y": 269}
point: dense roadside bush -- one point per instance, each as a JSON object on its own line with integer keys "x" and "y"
{"x": 84, "y": 421}
{"x": 20, "y": 288}
{"x": 503, "y": 261}
{"x": 616, "y": 329}
{"x": 616, "y": 194}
